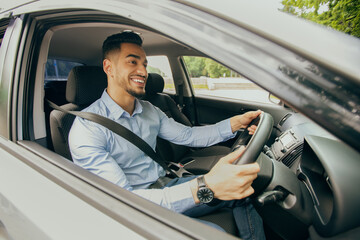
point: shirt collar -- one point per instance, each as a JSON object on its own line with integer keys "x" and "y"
{"x": 115, "y": 111}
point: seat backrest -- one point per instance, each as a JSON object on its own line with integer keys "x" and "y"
{"x": 153, "y": 89}
{"x": 84, "y": 86}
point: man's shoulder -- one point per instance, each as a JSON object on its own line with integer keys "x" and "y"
{"x": 147, "y": 104}
{"x": 82, "y": 125}
{"x": 97, "y": 107}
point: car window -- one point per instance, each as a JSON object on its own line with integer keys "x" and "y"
{"x": 213, "y": 79}
{"x": 56, "y": 74}
{"x": 58, "y": 70}
{"x": 161, "y": 65}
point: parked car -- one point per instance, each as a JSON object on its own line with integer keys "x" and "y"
{"x": 307, "y": 187}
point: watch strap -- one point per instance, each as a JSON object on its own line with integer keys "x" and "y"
{"x": 201, "y": 181}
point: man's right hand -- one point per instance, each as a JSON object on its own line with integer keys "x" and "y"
{"x": 228, "y": 181}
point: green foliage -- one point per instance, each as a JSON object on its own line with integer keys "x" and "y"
{"x": 216, "y": 70}
{"x": 195, "y": 66}
{"x": 151, "y": 69}
{"x": 342, "y": 15}
{"x": 199, "y": 66}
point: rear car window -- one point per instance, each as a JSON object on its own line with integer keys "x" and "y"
{"x": 160, "y": 64}
{"x": 56, "y": 74}
{"x": 58, "y": 70}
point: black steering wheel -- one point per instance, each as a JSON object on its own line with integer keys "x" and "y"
{"x": 254, "y": 143}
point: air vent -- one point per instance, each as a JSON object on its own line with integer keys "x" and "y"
{"x": 284, "y": 119}
{"x": 290, "y": 158}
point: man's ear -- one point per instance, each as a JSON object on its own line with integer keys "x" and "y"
{"x": 107, "y": 66}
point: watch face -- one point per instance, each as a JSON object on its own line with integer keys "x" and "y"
{"x": 205, "y": 195}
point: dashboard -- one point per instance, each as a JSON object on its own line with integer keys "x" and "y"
{"x": 321, "y": 190}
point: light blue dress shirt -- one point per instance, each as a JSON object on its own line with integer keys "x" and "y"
{"x": 110, "y": 156}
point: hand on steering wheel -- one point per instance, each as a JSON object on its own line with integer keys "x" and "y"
{"x": 254, "y": 143}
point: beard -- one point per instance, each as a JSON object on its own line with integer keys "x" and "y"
{"x": 136, "y": 94}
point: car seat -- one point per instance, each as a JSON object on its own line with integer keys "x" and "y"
{"x": 197, "y": 161}
{"x": 85, "y": 85}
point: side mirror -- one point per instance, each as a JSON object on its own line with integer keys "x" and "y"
{"x": 275, "y": 100}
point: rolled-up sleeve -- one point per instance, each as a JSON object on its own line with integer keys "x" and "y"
{"x": 199, "y": 136}
{"x": 177, "y": 198}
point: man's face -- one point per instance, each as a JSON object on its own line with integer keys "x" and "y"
{"x": 128, "y": 70}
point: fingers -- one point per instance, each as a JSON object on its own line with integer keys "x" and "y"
{"x": 253, "y": 114}
{"x": 231, "y": 157}
{"x": 256, "y": 113}
{"x": 252, "y": 129}
{"x": 241, "y": 189}
{"x": 246, "y": 193}
{"x": 245, "y": 181}
{"x": 247, "y": 169}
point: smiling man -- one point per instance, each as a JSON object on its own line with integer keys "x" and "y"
{"x": 108, "y": 155}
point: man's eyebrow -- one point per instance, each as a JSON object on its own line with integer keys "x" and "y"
{"x": 137, "y": 57}
{"x": 133, "y": 55}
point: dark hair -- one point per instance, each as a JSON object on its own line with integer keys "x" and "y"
{"x": 113, "y": 42}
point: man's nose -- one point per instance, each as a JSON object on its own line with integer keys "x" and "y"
{"x": 141, "y": 70}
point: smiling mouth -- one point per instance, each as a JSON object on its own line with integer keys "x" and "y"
{"x": 138, "y": 80}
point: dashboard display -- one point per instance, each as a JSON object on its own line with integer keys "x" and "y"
{"x": 287, "y": 140}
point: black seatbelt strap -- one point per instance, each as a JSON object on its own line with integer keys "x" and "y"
{"x": 126, "y": 134}
{"x": 181, "y": 96}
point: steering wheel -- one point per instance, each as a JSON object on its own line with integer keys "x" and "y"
{"x": 254, "y": 143}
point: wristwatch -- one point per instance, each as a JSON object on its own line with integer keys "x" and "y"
{"x": 204, "y": 193}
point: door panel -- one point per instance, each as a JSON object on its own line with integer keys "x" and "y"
{"x": 43, "y": 208}
{"x": 211, "y": 110}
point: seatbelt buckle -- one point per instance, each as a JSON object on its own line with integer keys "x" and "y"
{"x": 180, "y": 107}
{"x": 179, "y": 170}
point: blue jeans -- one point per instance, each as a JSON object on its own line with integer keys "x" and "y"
{"x": 248, "y": 221}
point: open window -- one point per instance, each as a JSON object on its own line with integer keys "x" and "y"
{"x": 209, "y": 78}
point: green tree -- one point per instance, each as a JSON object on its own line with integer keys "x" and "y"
{"x": 195, "y": 66}
{"x": 215, "y": 69}
{"x": 152, "y": 69}
{"x": 200, "y": 66}
{"x": 342, "y": 15}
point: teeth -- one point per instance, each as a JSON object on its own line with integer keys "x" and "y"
{"x": 138, "y": 80}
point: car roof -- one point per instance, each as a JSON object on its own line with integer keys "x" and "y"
{"x": 314, "y": 41}
{"x": 262, "y": 17}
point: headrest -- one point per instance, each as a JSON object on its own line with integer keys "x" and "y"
{"x": 154, "y": 84}
{"x": 85, "y": 84}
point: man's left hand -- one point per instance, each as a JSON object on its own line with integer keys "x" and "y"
{"x": 242, "y": 121}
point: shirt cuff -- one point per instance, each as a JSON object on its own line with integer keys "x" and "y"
{"x": 224, "y": 128}
{"x": 181, "y": 197}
